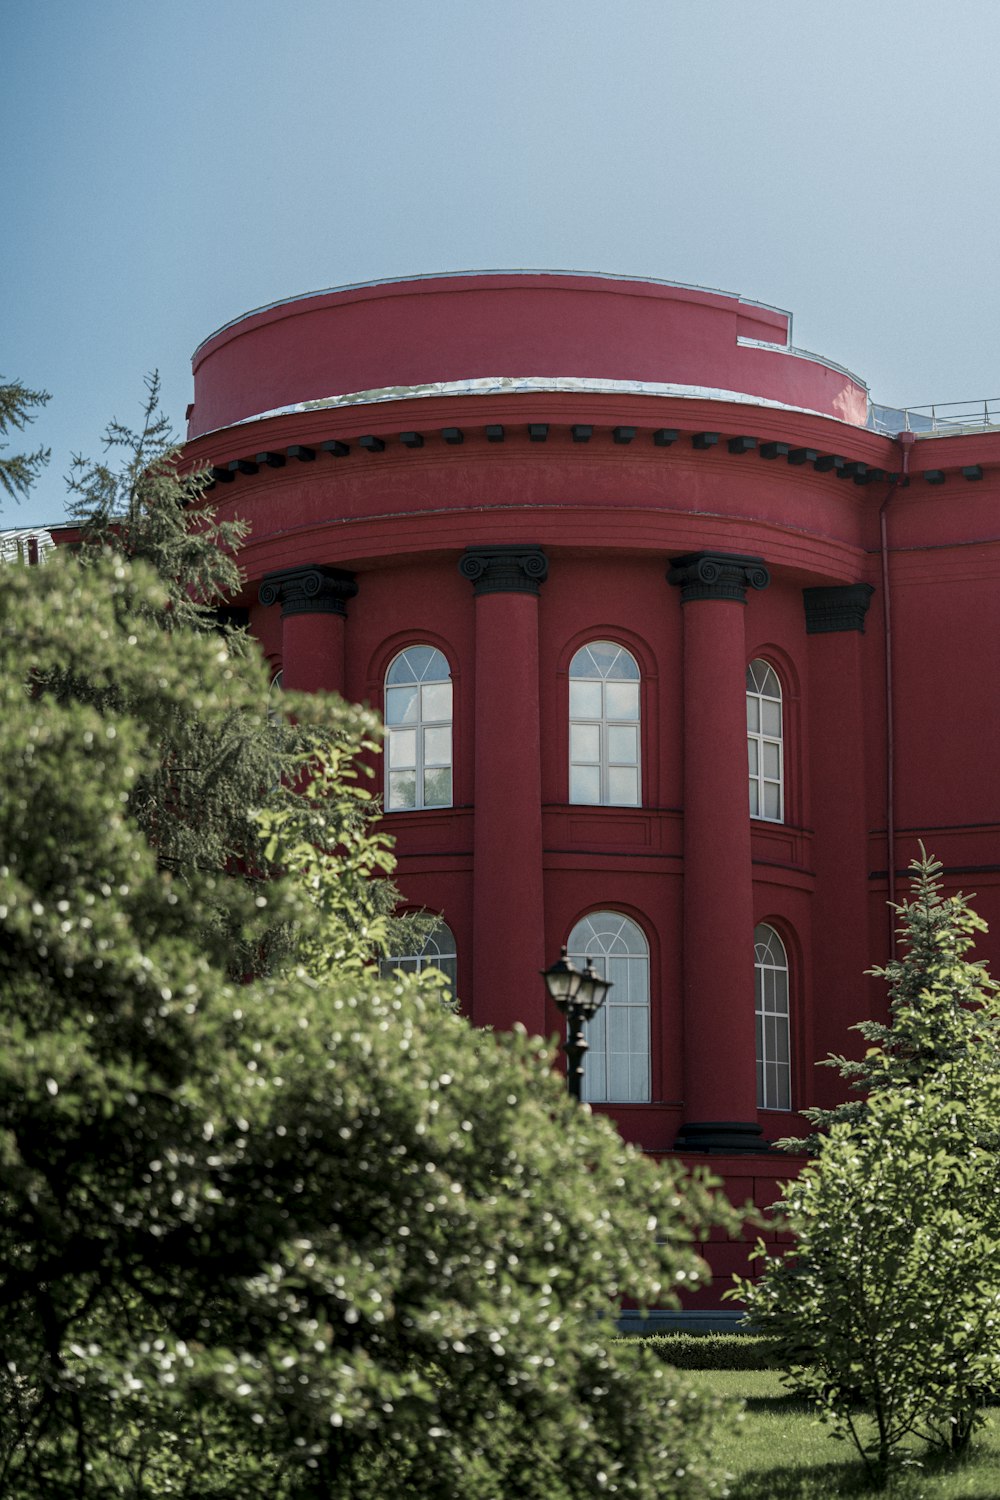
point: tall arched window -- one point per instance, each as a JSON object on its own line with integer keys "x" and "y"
{"x": 604, "y": 726}
{"x": 437, "y": 952}
{"x": 616, "y": 1069}
{"x": 774, "y": 1070}
{"x": 418, "y": 730}
{"x": 767, "y": 799}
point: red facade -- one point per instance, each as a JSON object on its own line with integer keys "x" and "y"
{"x": 510, "y": 468}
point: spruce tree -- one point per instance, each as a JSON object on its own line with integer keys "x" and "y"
{"x": 18, "y": 471}
{"x": 943, "y": 1006}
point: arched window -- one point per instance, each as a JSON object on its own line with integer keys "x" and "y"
{"x": 617, "y": 1066}
{"x": 764, "y": 742}
{"x": 418, "y": 730}
{"x": 774, "y": 1071}
{"x": 437, "y": 952}
{"x": 604, "y": 726}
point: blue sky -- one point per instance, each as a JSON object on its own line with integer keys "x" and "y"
{"x": 167, "y": 166}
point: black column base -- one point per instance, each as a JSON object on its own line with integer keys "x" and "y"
{"x": 729, "y": 1137}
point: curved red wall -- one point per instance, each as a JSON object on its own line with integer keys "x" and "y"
{"x": 765, "y": 455}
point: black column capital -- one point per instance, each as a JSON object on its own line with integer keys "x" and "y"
{"x": 833, "y": 609}
{"x": 717, "y": 575}
{"x": 303, "y": 591}
{"x": 504, "y": 570}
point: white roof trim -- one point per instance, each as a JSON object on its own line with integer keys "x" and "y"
{"x": 504, "y": 385}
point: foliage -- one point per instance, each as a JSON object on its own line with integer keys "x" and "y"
{"x": 714, "y": 1351}
{"x": 306, "y": 1235}
{"x": 148, "y": 509}
{"x": 889, "y": 1300}
{"x": 18, "y": 471}
{"x": 942, "y": 1005}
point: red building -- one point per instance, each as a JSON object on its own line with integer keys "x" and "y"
{"x": 590, "y": 543}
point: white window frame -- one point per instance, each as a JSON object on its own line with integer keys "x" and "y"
{"x": 439, "y": 951}
{"x": 765, "y": 744}
{"x": 603, "y": 727}
{"x": 407, "y": 739}
{"x": 773, "y": 1020}
{"x": 620, "y": 952}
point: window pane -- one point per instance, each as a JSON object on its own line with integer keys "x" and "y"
{"x": 638, "y": 1029}
{"x": 753, "y": 750}
{"x": 754, "y": 800}
{"x": 436, "y": 700}
{"x": 402, "y": 789}
{"x": 402, "y": 748}
{"x": 624, "y": 666}
{"x": 618, "y": 1076}
{"x": 771, "y": 718}
{"x": 437, "y": 788}
{"x": 584, "y": 700}
{"x": 401, "y": 670}
{"x": 753, "y": 714}
{"x": 401, "y": 705}
{"x": 772, "y": 801}
{"x": 437, "y": 746}
{"x": 605, "y": 655}
{"x": 585, "y": 784}
{"x": 623, "y": 745}
{"x": 585, "y": 743}
{"x": 772, "y": 760}
{"x": 622, "y": 700}
{"x": 640, "y": 1077}
{"x": 419, "y": 659}
{"x": 623, "y": 786}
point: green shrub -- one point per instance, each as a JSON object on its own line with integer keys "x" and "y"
{"x": 713, "y": 1351}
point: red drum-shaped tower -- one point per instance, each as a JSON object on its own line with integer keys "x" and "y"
{"x": 611, "y": 556}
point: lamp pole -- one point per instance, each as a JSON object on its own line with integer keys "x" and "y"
{"x": 579, "y": 994}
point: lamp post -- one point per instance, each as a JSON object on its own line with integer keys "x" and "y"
{"x": 579, "y": 995}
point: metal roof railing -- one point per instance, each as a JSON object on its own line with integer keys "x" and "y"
{"x": 941, "y": 419}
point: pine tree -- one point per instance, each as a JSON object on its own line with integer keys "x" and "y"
{"x": 200, "y": 803}
{"x": 943, "y": 1006}
{"x": 18, "y": 471}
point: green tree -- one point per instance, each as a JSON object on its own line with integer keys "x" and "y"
{"x": 199, "y": 798}
{"x": 887, "y": 1306}
{"x": 305, "y": 1235}
{"x": 18, "y": 471}
{"x": 943, "y": 1006}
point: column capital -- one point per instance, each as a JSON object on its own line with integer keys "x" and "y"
{"x": 717, "y": 575}
{"x": 833, "y": 609}
{"x": 304, "y": 591}
{"x": 504, "y": 570}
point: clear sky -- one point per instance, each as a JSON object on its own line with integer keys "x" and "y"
{"x": 170, "y": 164}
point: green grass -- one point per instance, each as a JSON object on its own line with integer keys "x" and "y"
{"x": 780, "y": 1451}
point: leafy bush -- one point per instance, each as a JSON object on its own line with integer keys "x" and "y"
{"x": 308, "y": 1235}
{"x": 889, "y": 1301}
{"x": 714, "y": 1351}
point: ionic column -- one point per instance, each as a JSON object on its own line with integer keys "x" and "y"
{"x": 313, "y": 624}
{"x": 841, "y": 951}
{"x": 720, "y": 1080}
{"x": 507, "y": 912}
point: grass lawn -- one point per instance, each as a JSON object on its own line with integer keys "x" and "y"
{"x": 781, "y": 1452}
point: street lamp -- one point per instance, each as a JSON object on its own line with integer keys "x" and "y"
{"x": 579, "y": 995}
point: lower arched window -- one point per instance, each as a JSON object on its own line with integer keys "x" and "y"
{"x": 774, "y": 1070}
{"x": 616, "y": 1068}
{"x": 437, "y": 952}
